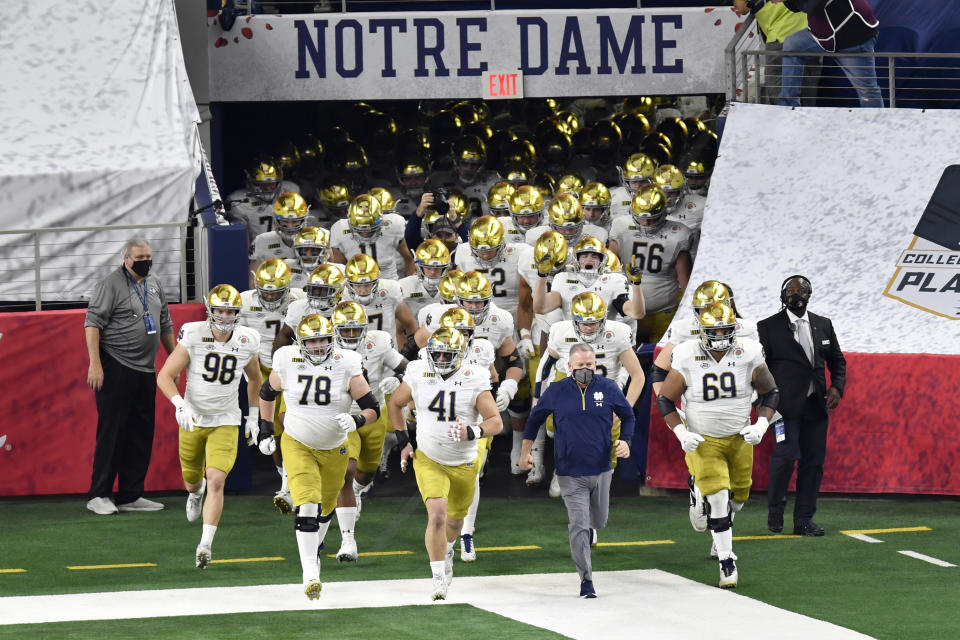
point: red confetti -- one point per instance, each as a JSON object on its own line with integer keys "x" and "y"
{"x": 236, "y": 39}
{"x": 247, "y": 32}
{"x": 708, "y": 10}
{"x": 750, "y": 35}
{"x": 249, "y": 18}
{"x": 737, "y": 27}
{"x": 212, "y": 12}
{"x": 717, "y": 23}
{"x": 269, "y": 28}
{"x": 221, "y": 42}
{"x": 739, "y": 91}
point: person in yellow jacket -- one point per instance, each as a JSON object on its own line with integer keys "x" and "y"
{"x": 776, "y": 22}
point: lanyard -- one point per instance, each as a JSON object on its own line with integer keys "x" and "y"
{"x": 142, "y": 297}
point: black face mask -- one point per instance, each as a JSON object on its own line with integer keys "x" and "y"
{"x": 797, "y": 303}
{"x": 141, "y": 267}
{"x": 583, "y": 376}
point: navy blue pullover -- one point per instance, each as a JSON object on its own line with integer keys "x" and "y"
{"x": 582, "y": 420}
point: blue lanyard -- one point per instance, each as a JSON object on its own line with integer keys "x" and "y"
{"x": 142, "y": 297}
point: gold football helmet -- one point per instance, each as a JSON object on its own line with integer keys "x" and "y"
{"x": 498, "y": 198}
{"x": 311, "y": 332}
{"x": 445, "y": 350}
{"x": 290, "y": 211}
{"x": 586, "y": 247}
{"x": 312, "y": 245}
{"x": 469, "y": 155}
{"x": 459, "y": 204}
{"x": 570, "y": 183}
{"x": 588, "y": 311}
{"x": 595, "y": 200}
{"x": 273, "y": 281}
{"x": 336, "y": 197}
{"x": 349, "y": 324}
{"x": 433, "y": 255}
{"x": 669, "y": 178}
{"x": 324, "y": 288}
{"x": 363, "y": 276}
{"x": 553, "y": 247}
{"x": 364, "y": 218}
{"x": 412, "y": 169}
{"x": 648, "y": 208}
{"x": 697, "y": 175}
{"x": 221, "y": 301}
{"x": 718, "y": 326}
{"x": 486, "y": 241}
{"x": 474, "y": 289}
{"x": 637, "y": 172}
{"x": 264, "y": 180}
{"x": 711, "y": 291}
{"x": 566, "y": 216}
{"x": 517, "y": 173}
{"x": 613, "y": 263}
{"x": 546, "y": 184}
{"x": 526, "y": 207}
{"x": 387, "y": 203}
{"x": 288, "y": 156}
{"x": 460, "y": 319}
{"x": 448, "y": 286}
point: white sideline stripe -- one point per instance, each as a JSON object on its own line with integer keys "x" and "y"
{"x": 864, "y": 537}
{"x": 931, "y": 560}
{"x": 648, "y": 603}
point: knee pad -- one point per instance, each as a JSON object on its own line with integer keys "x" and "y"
{"x": 305, "y": 518}
{"x": 718, "y": 511}
{"x": 718, "y": 525}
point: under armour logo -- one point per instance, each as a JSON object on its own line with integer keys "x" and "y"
{"x": 458, "y": 382}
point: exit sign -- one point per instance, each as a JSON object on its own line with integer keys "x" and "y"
{"x": 502, "y": 85}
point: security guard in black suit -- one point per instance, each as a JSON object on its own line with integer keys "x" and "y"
{"x": 797, "y": 344}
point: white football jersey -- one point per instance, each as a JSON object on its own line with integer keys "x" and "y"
{"x": 384, "y": 250}
{"x": 298, "y": 275}
{"x": 380, "y": 360}
{"x": 511, "y": 233}
{"x": 415, "y": 295}
{"x": 528, "y": 271}
{"x": 690, "y": 213}
{"x": 429, "y": 316}
{"x": 257, "y": 215}
{"x": 613, "y": 341}
{"x": 504, "y": 276}
{"x": 496, "y": 327}
{"x": 266, "y": 323}
{"x": 608, "y": 286}
{"x": 717, "y": 398}
{"x": 382, "y": 311}
{"x": 688, "y": 328}
{"x": 315, "y": 394}
{"x": 599, "y": 233}
{"x": 214, "y": 371}
{"x": 271, "y": 245}
{"x": 441, "y": 403}
{"x": 658, "y": 253}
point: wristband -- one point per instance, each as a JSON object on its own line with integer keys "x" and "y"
{"x": 403, "y": 439}
{"x": 177, "y": 401}
{"x": 253, "y": 414}
{"x": 525, "y": 333}
{"x": 359, "y": 419}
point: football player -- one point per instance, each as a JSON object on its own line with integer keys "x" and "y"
{"x": 683, "y": 205}
{"x": 323, "y": 290}
{"x": 716, "y": 376}
{"x": 432, "y": 259}
{"x": 263, "y": 311}
{"x": 488, "y": 252}
{"x": 312, "y": 246}
{"x": 661, "y": 249}
{"x": 595, "y": 199}
{"x": 365, "y": 445}
{"x": 635, "y": 174}
{"x": 290, "y": 214}
{"x": 335, "y": 199}
{"x": 565, "y": 216}
{"x": 367, "y": 230}
{"x": 429, "y": 316}
{"x": 216, "y": 353}
{"x": 454, "y": 410}
{"x": 469, "y": 156}
{"x": 527, "y": 207}
{"x": 412, "y": 169}
{"x": 264, "y": 184}
{"x": 381, "y": 298}
{"x": 498, "y": 205}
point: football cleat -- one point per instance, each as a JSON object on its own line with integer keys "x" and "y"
{"x": 698, "y": 507}
{"x": 535, "y": 476}
{"x": 439, "y": 588}
{"x": 348, "y": 549}
{"x": 515, "y": 462}
{"x": 195, "y": 503}
{"x": 448, "y": 567}
{"x": 468, "y": 553}
{"x": 283, "y": 501}
{"x": 728, "y": 572}
{"x": 204, "y": 556}
{"x": 555, "y": 491}
{"x": 312, "y": 588}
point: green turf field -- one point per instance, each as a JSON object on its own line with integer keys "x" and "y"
{"x": 867, "y": 587}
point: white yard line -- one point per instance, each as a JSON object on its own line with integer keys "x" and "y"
{"x": 864, "y": 537}
{"x": 649, "y": 603}
{"x": 931, "y": 560}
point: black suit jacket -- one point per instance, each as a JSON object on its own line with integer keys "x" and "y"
{"x": 790, "y": 366}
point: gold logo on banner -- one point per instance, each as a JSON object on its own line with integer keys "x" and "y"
{"x": 928, "y": 271}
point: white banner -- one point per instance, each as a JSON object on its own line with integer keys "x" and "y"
{"x": 372, "y": 56}
{"x": 837, "y": 195}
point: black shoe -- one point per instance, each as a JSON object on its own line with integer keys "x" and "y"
{"x": 586, "y": 589}
{"x": 807, "y": 528}
{"x": 775, "y": 520}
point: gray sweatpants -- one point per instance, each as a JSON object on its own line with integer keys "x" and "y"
{"x": 588, "y": 505}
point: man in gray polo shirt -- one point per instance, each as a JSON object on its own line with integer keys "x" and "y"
{"x": 127, "y": 320}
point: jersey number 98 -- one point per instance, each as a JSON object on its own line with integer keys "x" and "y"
{"x": 220, "y": 368}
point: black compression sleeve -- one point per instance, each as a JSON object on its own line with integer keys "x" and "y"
{"x": 369, "y": 401}
{"x": 267, "y": 392}
{"x": 666, "y": 406}
{"x": 658, "y": 374}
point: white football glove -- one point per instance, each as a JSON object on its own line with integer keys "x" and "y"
{"x": 389, "y": 385}
{"x": 184, "y": 413}
{"x": 268, "y": 446}
{"x": 251, "y": 427}
{"x": 458, "y": 432}
{"x": 689, "y": 441}
{"x": 508, "y": 389}
{"x": 347, "y": 423}
{"x": 753, "y": 433}
{"x": 525, "y": 346}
